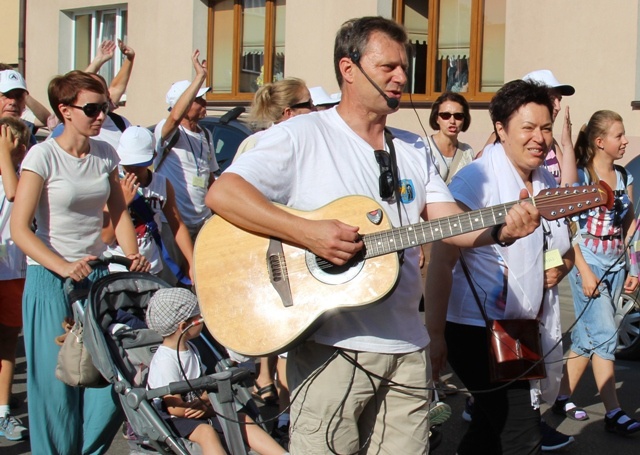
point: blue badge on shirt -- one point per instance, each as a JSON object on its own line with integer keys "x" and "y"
{"x": 407, "y": 191}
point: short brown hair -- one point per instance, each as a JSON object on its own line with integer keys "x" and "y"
{"x": 64, "y": 89}
{"x": 353, "y": 37}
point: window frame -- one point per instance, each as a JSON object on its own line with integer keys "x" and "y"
{"x": 269, "y": 50}
{"x": 473, "y": 95}
{"x": 96, "y": 34}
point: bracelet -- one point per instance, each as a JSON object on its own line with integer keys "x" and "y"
{"x": 494, "y": 235}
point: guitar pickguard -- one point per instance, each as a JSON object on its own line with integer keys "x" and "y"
{"x": 328, "y": 273}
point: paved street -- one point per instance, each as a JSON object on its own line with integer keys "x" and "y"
{"x": 591, "y": 439}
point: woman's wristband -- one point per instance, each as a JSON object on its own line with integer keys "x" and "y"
{"x": 495, "y": 235}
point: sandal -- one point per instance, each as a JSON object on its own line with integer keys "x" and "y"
{"x": 560, "y": 408}
{"x": 612, "y": 424}
{"x": 265, "y": 395}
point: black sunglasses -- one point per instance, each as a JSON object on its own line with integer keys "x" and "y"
{"x": 386, "y": 181}
{"x": 306, "y": 105}
{"x": 92, "y": 109}
{"x": 447, "y": 115}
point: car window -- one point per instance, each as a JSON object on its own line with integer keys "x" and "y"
{"x": 226, "y": 140}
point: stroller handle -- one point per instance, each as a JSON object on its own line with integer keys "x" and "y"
{"x": 75, "y": 294}
{"x": 107, "y": 258}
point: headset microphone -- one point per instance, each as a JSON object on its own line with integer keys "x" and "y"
{"x": 392, "y": 103}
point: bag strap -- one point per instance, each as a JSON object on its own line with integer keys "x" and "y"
{"x": 165, "y": 151}
{"x": 476, "y": 297}
{"x": 467, "y": 275}
{"x": 118, "y": 120}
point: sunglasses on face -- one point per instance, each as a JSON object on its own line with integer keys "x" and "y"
{"x": 306, "y": 105}
{"x": 92, "y": 109}
{"x": 385, "y": 181}
{"x": 447, "y": 115}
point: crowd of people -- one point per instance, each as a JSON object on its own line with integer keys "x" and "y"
{"x": 363, "y": 382}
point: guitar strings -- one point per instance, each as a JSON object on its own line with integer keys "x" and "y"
{"x": 378, "y": 246}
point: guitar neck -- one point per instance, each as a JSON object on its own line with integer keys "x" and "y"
{"x": 397, "y": 239}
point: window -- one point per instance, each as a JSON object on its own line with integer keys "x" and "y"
{"x": 90, "y": 28}
{"x": 246, "y": 46}
{"x": 458, "y": 46}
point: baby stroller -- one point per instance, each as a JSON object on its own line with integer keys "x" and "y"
{"x": 121, "y": 350}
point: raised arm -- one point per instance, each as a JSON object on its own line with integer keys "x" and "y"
{"x": 104, "y": 53}
{"x": 184, "y": 102}
{"x": 43, "y": 116}
{"x": 566, "y": 154}
{"x": 119, "y": 83}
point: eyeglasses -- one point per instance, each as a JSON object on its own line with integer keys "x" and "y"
{"x": 92, "y": 109}
{"x": 386, "y": 182}
{"x": 306, "y": 105}
{"x": 447, "y": 115}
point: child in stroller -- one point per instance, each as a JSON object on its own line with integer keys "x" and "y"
{"x": 175, "y": 315}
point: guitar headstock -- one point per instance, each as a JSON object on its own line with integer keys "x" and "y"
{"x": 555, "y": 203}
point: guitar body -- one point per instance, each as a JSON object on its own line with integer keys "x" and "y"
{"x": 234, "y": 281}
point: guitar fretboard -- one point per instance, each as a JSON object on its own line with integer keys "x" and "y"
{"x": 396, "y": 239}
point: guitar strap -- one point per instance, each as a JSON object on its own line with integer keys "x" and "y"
{"x": 388, "y": 137}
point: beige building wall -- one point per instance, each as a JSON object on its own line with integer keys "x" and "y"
{"x": 590, "y": 44}
{"x": 163, "y": 33}
{"x": 9, "y": 26}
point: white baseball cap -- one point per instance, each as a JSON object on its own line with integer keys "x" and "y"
{"x": 178, "y": 88}
{"x": 136, "y": 147}
{"x": 546, "y": 77}
{"x": 11, "y": 80}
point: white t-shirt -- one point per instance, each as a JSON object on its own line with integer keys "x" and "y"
{"x": 311, "y": 160}
{"x": 12, "y": 259}
{"x": 188, "y": 167}
{"x": 156, "y": 196}
{"x": 75, "y": 191}
{"x": 164, "y": 368}
{"x": 476, "y": 186}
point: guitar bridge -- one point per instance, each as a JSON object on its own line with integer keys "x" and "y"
{"x": 277, "y": 266}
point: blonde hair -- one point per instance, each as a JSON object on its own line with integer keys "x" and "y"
{"x": 19, "y": 129}
{"x": 272, "y": 99}
{"x": 598, "y": 126}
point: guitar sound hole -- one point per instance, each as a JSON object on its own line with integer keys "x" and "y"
{"x": 330, "y": 273}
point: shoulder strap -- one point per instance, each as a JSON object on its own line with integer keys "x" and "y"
{"x": 623, "y": 172}
{"x": 165, "y": 151}
{"x": 118, "y": 120}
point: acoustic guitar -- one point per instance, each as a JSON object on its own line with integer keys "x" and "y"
{"x": 260, "y": 296}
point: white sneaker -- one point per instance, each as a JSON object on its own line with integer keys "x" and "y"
{"x": 12, "y": 428}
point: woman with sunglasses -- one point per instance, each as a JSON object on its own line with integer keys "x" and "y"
{"x": 600, "y": 275}
{"x": 64, "y": 185}
{"x": 449, "y": 116}
{"x": 510, "y": 279}
{"x": 276, "y": 102}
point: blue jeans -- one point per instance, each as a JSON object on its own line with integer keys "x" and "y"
{"x": 596, "y": 331}
{"x": 62, "y": 419}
